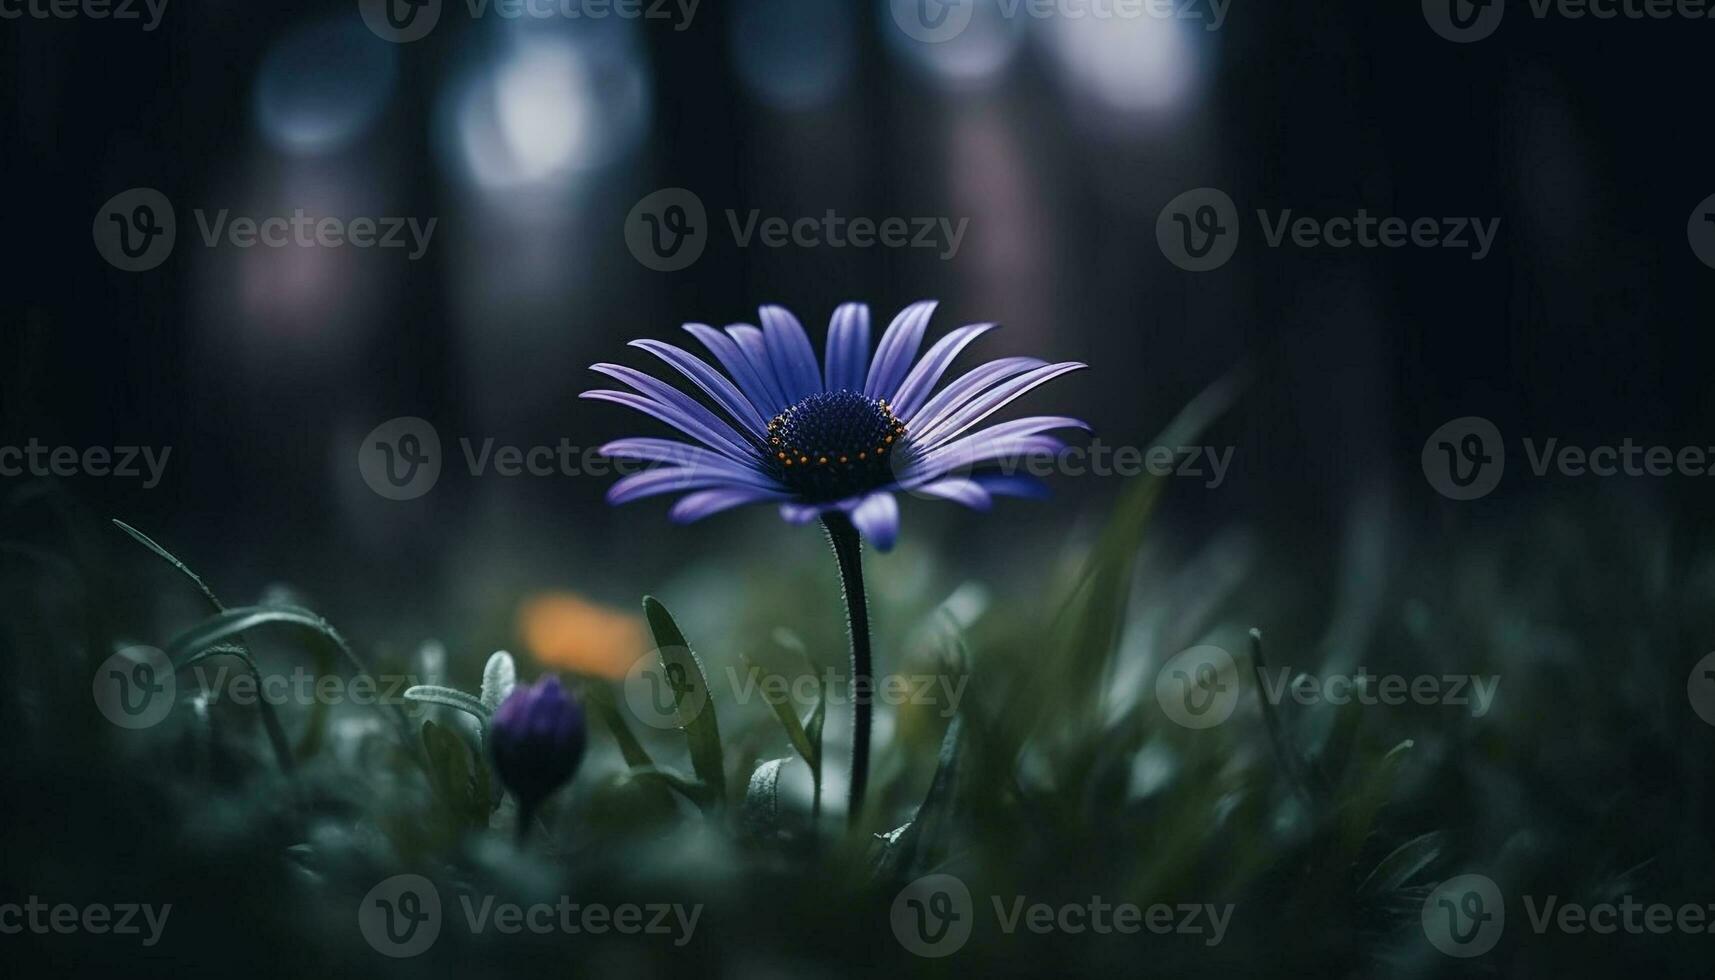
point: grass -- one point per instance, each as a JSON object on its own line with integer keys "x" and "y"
{"x": 1060, "y": 780}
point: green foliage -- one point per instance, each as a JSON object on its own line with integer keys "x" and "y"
{"x": 691, "y": 698}
{"x": 460, "y": 778}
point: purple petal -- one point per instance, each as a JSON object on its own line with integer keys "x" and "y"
{"x": 964, "y": 454}
{"x": 914, "y": 391}
{"x": 799, "y": 513}
{"x": 848, "y": 348}
{"x": 990, "y": 402}
{"x": 696, "y": 506}
{"x": 712, "y": 382}
{"x": 674, "y": 418}
{"x": 898, "y": 349}
{"x": 670, "y": 451}
{"x": 663, "y": 393}
{"x": 1013, "y": 485}
{"x": 790, "y": 352}
{"x": 967, "y": 492}
{"x": 726, "y": 350}
{"x": 1005, "y": 431}
{"x": 755, "y": 349}
{"x": 968, "y": 386}
{"x": 877, "y": 519}
{"x": 673, "y": 479}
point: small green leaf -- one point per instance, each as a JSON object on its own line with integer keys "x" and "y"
{"x": 696, "y": 713}
{"x": 499, "y": 677}
{"x": 787, "y": 713}
{"x": 454, "y": 776}
{"x": 762, "y": 799}
{"x": 1406, "y": 862}
{"x": 449, "y": 697}
{"x": 919, "y": 841}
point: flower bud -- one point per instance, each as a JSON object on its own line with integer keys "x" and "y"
{"x": 537, "y": 740}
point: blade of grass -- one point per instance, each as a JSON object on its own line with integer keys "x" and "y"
{"x": 702, "y": 731}
{"x": 198, "y": 642}
{"x": 270, "y": 721}
{"x": 600, "y": 697}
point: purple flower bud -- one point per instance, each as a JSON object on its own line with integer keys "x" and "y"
{"x": 537, "y": 740}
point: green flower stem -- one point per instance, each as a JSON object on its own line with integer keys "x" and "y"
{"x": 526, "y": 817}
{"x": 271, "y": 724}
{"x": 848, "y": 551}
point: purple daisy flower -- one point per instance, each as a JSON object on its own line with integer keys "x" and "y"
{"x": 839, "y": 438}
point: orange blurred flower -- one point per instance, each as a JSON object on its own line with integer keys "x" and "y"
{"x": 565, "y": 631}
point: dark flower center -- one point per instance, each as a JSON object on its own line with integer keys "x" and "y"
{"x": 834, "y": 444}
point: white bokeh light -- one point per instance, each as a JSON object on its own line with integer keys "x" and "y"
{"x": 976, "y": 55}
{"x": 549, "y": 107}
{"x": 1128, "y": 64}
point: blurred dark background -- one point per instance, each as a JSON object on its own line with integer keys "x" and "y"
{"x": 1060, "y": 139}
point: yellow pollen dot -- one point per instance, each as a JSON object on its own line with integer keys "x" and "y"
{"x": 803, "y": 459}
{"x": 845, "y": 459}
{"x": 890, "y": 439}
{"x": 823, "y": 461}
{"x": 780, "y": 455}
{"x": 880, "y": 450}
{"x": 863, "y": 455}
